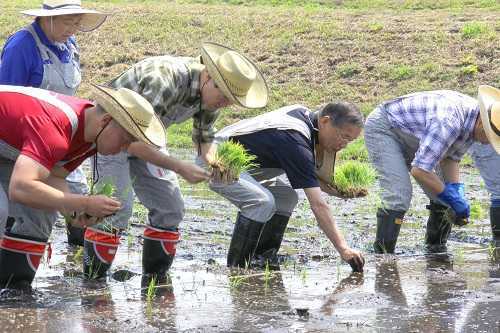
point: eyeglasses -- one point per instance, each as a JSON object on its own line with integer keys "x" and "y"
{"x": 341, "y": 136}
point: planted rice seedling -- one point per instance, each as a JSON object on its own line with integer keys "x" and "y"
{"x": 231, "y": 159}
{"x": 352, "y": 179}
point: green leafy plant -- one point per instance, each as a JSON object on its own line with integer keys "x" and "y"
{"x": 476, "y": 210}
{"x": 231, "y": 159}
{"x": 355, "y": 150}
{"x": 470, "y": 70}
{"x": 352, "y": 179}
{"x": 473, "y": 29}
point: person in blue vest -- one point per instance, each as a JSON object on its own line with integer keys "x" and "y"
{"x": 45, "y": 55}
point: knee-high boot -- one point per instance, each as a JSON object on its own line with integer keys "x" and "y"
{"x": 99, "y": 251}
{"x": 270, "y": 241}
{"x": 158, "y": 251}
{"x": 20, "y": 257}
{"x": 438, "y": 228}
{"x": 246, "y": 234}
{"x": 388, "y": 226}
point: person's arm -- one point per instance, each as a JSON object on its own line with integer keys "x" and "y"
{"x": 191, "y": 172}
{"x": 208, "y": 152}
{"x": 28, "y": 185}
{"x": 204, "y": 132}
{"x": 451, "y": 170}
{"x": 326, "y": 222}
{"x": 428, "y": 180}
{"x": 19, "y": 61}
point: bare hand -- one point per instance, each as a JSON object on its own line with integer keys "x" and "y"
{"x": 193, "y": 174}
{"x": 329, "y": 189}
{"x": 353, "y": 258}
{"x": 101, "y": 205}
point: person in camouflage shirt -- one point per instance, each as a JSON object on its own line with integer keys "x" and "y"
{"x": 179, "y": 88}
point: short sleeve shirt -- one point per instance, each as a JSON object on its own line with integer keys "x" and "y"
{"x": 286, "y": 149}
{"x": 39, "y": 129}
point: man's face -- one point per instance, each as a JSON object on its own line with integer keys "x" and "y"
{"x": 113, "y": 139}
{"x": 334, "y": 138}
{"x": 212, "y": 97}
{"x": 479, "y": 133}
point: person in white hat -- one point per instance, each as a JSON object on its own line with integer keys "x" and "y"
{"x": 45, "y": 55}
{"x": 180, "y": 89}
{"x": 487, "y": 158}
{"x": 54, "y": 134}
{"x": 425, "y": 135}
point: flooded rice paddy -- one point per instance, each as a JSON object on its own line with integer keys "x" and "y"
{"x": 457, "y": 291}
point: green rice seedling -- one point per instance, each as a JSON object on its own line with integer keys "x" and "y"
{"x": 352, "y": 179}
{"x": 236, "y": 281}
{"x": 470, "y": 70}
{"x": 473, "y": 29}
{"x": 78, "y": 257}
{"x": 476, "y": 210}
{"x": 150, "y": 292}
{"x": 356, "y": 150}
{"x": 267, "y": 275}
{"x": 230, "y": 160}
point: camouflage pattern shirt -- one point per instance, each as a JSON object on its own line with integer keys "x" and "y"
{"x": 172, "y": 86}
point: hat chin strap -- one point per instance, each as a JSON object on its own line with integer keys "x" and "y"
{"x": 95, "y": 170}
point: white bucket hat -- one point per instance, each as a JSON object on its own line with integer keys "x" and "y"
{"x": 91, "y": 19}
{"x": 236, "y": 76}
{"x": 133, "y": 112}
{"x": 489, "y": 107}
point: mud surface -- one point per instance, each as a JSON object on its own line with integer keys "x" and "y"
{"x": 457, "y": 291}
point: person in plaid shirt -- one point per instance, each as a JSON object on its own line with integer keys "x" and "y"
{"x": 424, "y": 134}
{"x": 179, "y": 88}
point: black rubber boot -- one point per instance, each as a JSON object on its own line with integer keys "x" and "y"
{"x": 495, "y": 224}
{"x": 244, "y": 242}
{"x": 20, "y": 257}
{"x": 388, "y": 226}
{"x": 158, "y": 251}
{"x": 99, "y": 250}
{"x": 270, "y": 242}
{"x": 438, "y": 228}
{"x": 75, "y": 234}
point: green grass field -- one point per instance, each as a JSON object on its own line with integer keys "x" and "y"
{"x": 311, "y": 52}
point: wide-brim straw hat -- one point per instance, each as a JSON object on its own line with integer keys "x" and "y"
{"x": 489, "y": 108}
{"x": 236, "y": 76}
{"x": 91, "y": 19}
{"x": 133, "y": 112}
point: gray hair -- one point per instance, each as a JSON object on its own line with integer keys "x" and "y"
{"x": 343, "y": 113}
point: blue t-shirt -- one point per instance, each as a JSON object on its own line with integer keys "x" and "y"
{"x": 21, "y": 63}
{"x": 286, "y": 149}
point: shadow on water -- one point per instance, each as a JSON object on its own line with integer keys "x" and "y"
{"x": 313, "y": 292}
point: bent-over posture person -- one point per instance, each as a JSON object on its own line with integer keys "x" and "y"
{"x": 426, "y": 134}
{"x": 45, "y": 55}
{"x": 285, "y": 142}
{"x": 43, "y": 137}
{"x": 180, "y": 89}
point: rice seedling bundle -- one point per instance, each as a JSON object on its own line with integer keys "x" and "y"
{"x": 231, "y": 159}
{"x": 352, "y": 179}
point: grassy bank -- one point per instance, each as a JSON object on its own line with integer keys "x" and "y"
{"x": 310, "y": 51}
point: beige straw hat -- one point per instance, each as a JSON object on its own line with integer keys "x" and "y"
{"x": 91, "y": 19}
{"x": 489, "y": 106}
{"x": 237, "y": 77}
{"x": 133, "y": 112}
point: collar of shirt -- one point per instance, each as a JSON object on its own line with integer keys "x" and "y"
{"x": 63, "y": 54}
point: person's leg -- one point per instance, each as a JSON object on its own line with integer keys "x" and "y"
{"x": 101, "y": 241}
{"x": 286, "y": 199}
{"x": 488, "y": 161}
{"x": 77, "y": 183}
{"x": 256, "y": 206}
{"x": 390, "y": 160}
{"x": 158, "y": 190}
{"x": 4, "y": 210}
{"x": 22, "y": 247}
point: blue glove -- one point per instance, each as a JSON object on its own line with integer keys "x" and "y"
{"x": 453, "y": 195}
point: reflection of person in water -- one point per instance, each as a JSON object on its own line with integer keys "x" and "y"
{"x": 255, "y": 296}
{"x": 354, "y": 280}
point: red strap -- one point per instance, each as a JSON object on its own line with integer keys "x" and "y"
{"x": 100, "y": 236}
{"x": 161, "y": 235}
{"x": 22, "y": 245}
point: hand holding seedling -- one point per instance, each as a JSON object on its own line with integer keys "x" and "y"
{"x": 353, "y": 258}
{"x": 192, "y": 173}
{"x": 231, "y": 159}
{"x": 101, "y": 205}
{"x": 330, "y": 190}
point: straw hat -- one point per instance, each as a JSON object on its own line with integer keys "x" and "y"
{"x": 489, "y": 106}
{"x": 237, "y": 77}
{"x": 91, "y": 19}
{"x": 133, "y": 112}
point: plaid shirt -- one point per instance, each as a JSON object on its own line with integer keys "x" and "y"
{"x": 442, "y": 120}
{"x": 172, "y": 86}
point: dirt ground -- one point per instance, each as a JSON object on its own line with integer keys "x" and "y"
{"x": 457, "y": 291}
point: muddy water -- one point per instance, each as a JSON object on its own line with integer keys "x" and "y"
{"x": 458, "y": 291}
